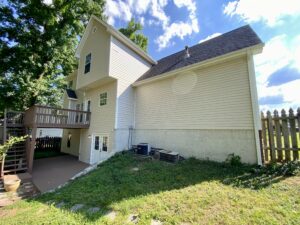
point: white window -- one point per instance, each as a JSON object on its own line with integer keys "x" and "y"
{"x": 103, "y": 99}
{"x": 104, "y": 143}
{"x": 88, "y": 60}
{"x": 97, "y": 140}
{"x": 70, "y": 84}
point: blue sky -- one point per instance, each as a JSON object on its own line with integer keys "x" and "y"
{"x": 172, "y": 24}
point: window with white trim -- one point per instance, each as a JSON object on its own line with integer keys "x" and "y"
{"x": 96, "y": 144}
{"x": 104, "y": 143}
{"x": 87, "y": 66}
{"x": 103, "y": 98}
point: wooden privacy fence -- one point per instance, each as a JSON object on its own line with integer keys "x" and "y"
{"x": 280, "y": 136}
{"x": 48, "y": 144}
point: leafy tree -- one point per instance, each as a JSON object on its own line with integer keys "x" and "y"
{"x": 131, "y": 31}
{"x": 37, "y": 45}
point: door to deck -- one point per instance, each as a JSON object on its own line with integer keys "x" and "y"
{"x": 99, "y": 148}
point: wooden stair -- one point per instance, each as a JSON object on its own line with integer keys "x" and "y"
{"x": 15, "y": 160}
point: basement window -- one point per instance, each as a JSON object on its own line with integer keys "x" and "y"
{"x": 103, "y": 99}
{"x": 87, "y": 66}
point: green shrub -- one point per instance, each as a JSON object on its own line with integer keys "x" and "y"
{"x": 8, "y": 144}
{"x": 233, "y": 160}
{"x": 281, "y": 169}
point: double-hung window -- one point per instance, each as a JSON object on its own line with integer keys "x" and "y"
{"x": 87, "y": 66}
{"x": 103, "y": 99}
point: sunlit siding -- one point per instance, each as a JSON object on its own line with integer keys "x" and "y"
{"x": 215, "y": 97}
{"x": 97, "y": 44}
{"x": 127, "y": 67}
{"x": 102, "y": 118}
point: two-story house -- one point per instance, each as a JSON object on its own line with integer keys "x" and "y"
{"x": 201, "y": 101}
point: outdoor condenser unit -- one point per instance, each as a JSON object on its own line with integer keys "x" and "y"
{"x": 143, "y": 149}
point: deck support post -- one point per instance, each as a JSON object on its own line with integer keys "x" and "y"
{"x": 4, "y": 126}
{"x": 30, "y": 149}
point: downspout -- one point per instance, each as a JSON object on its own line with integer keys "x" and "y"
{"x": 255, "y": 106}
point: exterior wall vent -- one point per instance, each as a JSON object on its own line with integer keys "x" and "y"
{"x": 187, "y": 53}
{"x": 94, "y": 29}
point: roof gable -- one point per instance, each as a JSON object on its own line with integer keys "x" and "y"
{"x": 118, "y": 35}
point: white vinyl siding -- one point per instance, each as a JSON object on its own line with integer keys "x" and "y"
{"x": 216, "y": 97}
{"x": 102, "y": 118}
{"x": 127, "y": 67}
{"x": 95, "y": 54}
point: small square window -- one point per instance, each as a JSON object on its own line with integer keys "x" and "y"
{"x": 70, "y": 84}
{"x": 103, "y": 99}
{"x": 88, "y": 60}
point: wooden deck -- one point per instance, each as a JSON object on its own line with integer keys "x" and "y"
{"x": 49, "y": 117}
{"x": 20, "y": 156}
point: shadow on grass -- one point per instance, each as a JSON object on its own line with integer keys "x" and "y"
{"x": 126, "y": 176}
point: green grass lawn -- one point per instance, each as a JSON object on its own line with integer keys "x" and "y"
{"x": 189, "y": 192}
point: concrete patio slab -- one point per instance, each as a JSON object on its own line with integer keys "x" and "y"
{"x": 50, "y": 173}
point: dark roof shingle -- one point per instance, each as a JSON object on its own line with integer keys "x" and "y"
{"x": 234, "y": 40}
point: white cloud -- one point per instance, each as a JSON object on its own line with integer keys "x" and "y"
{"x": 269, "y": 11}
{"x": 156, "y": 15}
{"x": 291, "y": 96}
{"x": 157, "y": 11}
{"x": 180, "y": 29}
{"x": 142, "y": 20}
{"x": 47, "y": 2}
{"x": 210, "y": 37}
{"x": 276, "y": 55}
{"x": 140, "y": 6}
{"x": 117, "y": 9}
{"x": 278, "y": 52}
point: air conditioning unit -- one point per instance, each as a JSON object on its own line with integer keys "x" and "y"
{"x": 168, "y": 156}
{"x": 143, "y": 149}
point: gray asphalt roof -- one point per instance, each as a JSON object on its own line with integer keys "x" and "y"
{"x": 234, "y": 40}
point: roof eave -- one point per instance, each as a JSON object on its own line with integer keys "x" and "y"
{"x": 256, "y": 49}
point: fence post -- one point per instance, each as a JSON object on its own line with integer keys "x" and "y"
{"x": 298, "y": 120}
{"x": 293, "y": 134}
{"x": 285, "y": 132}
{"x": 4, "y": 126}
{"x": 271, "y": 136}
{"x": 264, "y": 137}
{"x": 278, "y": 135}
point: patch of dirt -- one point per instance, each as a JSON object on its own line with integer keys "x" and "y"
{"x": 8, "y": 212}
{"x": 295, "y": 180}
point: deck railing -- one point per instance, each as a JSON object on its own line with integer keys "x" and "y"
{"x": 49, "y": 117}
{"x": 14, "y": 119}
